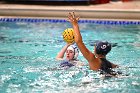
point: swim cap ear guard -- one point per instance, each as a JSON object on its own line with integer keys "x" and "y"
{"x": 103, "y": 47}
{"x": 76, "y": 52}
{"x": 75, "y": 49}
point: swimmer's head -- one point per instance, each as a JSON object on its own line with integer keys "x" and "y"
{"x": 102, "y": 47}
{"x": 75, "y": 49}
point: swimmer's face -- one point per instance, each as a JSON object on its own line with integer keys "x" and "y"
{"x": 69, "y": 54}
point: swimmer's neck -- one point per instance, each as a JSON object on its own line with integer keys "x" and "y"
{"x": 70, "y": 59}
{"x": 100, "y": 56}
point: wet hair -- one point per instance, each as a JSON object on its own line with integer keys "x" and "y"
{"x": 103, "y": 47}
{"x": 105, "y": 66}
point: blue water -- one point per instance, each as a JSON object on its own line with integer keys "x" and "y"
{"x": 28, "y": 65}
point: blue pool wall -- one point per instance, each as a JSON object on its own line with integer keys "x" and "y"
{"x": 33, "y": 20}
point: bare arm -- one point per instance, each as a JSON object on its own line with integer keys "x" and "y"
{"x": 60, "y": 55}
{"x": 78, "y": 38}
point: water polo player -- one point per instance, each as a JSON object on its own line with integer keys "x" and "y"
{"x": 71, "y": 52}
{"x": 97, "y": 60}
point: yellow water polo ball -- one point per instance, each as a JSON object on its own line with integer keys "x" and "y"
{"x": 68, "y": 35}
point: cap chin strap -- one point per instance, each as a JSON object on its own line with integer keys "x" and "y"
{"x": 76, "y": 53}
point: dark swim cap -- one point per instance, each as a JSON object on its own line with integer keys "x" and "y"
{"x": 103, "y": 47}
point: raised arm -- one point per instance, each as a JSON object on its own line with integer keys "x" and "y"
{"x": 60, "y": 55}
{"x": 78, "y": 38}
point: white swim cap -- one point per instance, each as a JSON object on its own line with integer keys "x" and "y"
{"x": 75, "y": 49}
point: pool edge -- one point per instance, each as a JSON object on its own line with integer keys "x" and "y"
{"x": 85, "y": 14}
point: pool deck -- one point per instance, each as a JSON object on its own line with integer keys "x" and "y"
{"x": 113, "y": 10}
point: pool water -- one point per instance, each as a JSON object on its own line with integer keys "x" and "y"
{"x": 28, "y": 65}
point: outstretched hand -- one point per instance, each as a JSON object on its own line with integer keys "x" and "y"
{"x": 72, "y": 18}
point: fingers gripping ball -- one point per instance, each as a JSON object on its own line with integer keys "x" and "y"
{"x": 68, "y": 35}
